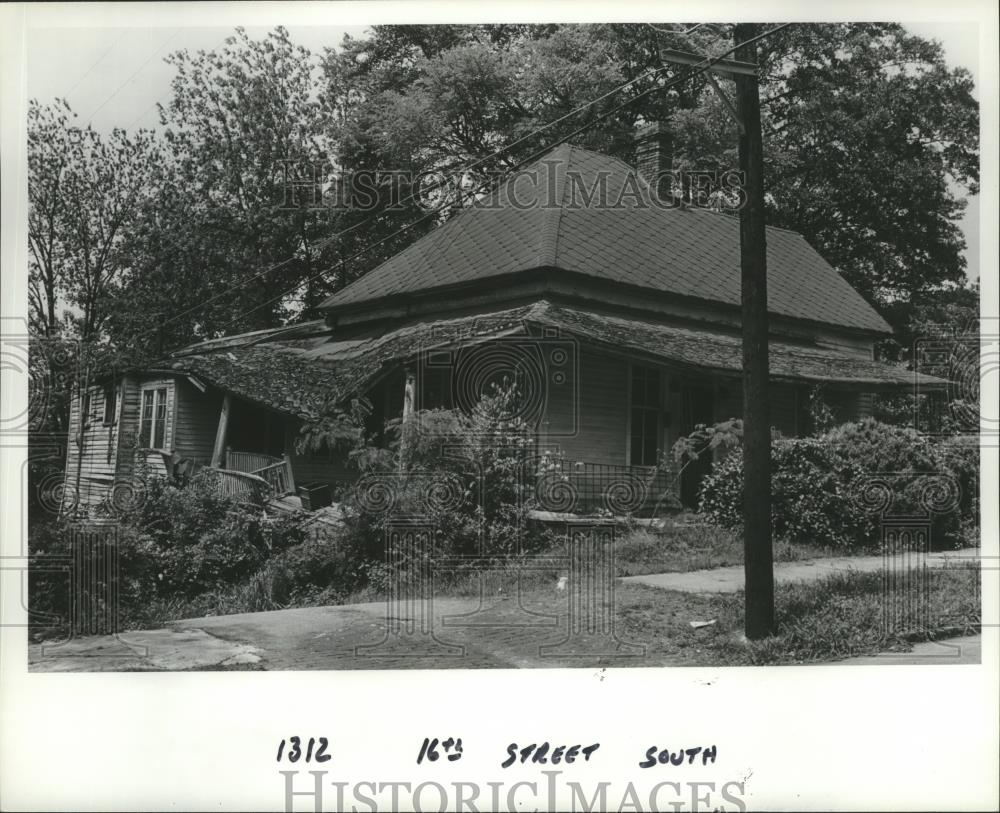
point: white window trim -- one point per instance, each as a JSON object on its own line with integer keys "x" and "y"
{"x": 146, "y": 441}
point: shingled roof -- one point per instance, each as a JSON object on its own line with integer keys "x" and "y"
{"x": 303, "y": 375}
{"x": 541, "y": 219}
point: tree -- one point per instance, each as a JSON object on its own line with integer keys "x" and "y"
{"x": 870, "y": 138}
{"x": 223, "y": 239}
{"x": 48, "y": 157}
{"x": 84, "y": 192}
{"x": 420, "y": 103}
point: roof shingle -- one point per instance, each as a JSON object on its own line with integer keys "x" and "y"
{"x": 305, "y": 376}
{"x": 589, "y": 213}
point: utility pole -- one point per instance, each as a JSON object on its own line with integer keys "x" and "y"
{"x": 758, "y": 554}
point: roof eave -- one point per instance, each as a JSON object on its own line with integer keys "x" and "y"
{"x": 401, "y": 302}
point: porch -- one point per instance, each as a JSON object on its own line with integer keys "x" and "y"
{"x": 255, "y": 474}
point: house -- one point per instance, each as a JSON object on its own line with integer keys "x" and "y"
{"x": 621, "y": 314}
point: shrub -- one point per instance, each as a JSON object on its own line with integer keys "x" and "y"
{"x": 195, "y": 538}
{"x": 961, "y": 456}
{"x": 833, "y": 490}
{"x": 320, "y": 570}
{"x": 810, "y": 497}
{"x": 469, "y": 477}
{"x": 907, "y": 462}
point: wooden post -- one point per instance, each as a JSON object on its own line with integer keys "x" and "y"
{"x": 409, "y": 388}
{"x": 288, "y": 472}
{"x": 220, "y": 433}
{"x": 758, "y": 555}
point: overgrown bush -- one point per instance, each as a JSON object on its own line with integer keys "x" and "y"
{"x": 810, "y": 494}
{"x": 917, "y": 478}
{"x": 179, "y": 545}
{"x": 321, "y": 570}
{"x": 195, "y": 538}
{"x": 961, "y": 456}
{"x": 467, "y": 477}
{"x": 834, "y": 490}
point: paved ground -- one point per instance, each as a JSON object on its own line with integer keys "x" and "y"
{"x": 149, "y": 650}
{"x": 731, "y": 579}
{"x": 931, "y": 653}
{"x": 465, "y": 634}
{"x": 497, "y": 631}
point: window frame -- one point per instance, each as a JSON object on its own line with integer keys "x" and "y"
{"x": 110, "y": 396}
{"x": 147, "y": 434}
{"x": 85, "y": 410}
{"x": 657, "y": 411}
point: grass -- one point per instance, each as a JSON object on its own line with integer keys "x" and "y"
{"x": 836, "y": 617}
{"x": 681, "y": 548}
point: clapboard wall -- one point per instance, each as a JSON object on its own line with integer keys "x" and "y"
{"x": 93, "y": 445}
{"x": 586, "y": 406}
{"x": 196, "y": 421}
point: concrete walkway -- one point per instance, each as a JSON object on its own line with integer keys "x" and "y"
{"x": 965, "y": 650}
{"x": 142, "y": 651}
{"x": 731, "y": 579}
{"x": 531, "y": 630}
{"x": 461, "y": 633}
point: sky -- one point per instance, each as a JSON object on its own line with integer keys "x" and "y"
{"x": 113, "y": 77}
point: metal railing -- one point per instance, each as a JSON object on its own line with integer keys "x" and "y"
{"x": 581, "y": 487}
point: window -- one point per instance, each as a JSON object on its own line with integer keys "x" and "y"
{"x": 110, "y": 402}
{"x": 152, "y": 428}
{"x": 646, "y": 416}
{"x": 85, "y": 410}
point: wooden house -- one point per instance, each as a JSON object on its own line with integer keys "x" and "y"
{"x": 620, "y": 312}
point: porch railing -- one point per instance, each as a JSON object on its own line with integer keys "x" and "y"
{"x": 580, "y": 487}
{"x": 278, "y": 477}
{"x": 239, "y": 483}
{"x": 249, "y": 462}
{"x": 255, "y": 473}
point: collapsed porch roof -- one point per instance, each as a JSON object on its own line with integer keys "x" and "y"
{"x": 306, "y": 375}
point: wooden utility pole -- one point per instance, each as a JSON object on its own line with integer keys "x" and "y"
{"x": 758, "y": 555}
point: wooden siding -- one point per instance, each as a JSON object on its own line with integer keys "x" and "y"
{"x": 92, "y": 450}
{"x": 586, "y": 414}
{"x": 196, "y": 419}
{"x": 101, "y": 454}
{"x": 848, "y": 406}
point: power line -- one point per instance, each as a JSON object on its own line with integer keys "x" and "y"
{"x": 322, "y": 242}
{"x": 134, "y": 74}
{"x": 91, "y": 68}
{"x": 697, "y": 69}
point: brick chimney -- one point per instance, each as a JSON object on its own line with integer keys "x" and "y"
{"x": 654, "y": 152}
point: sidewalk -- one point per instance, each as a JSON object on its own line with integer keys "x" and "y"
{"x": 967, "y": 649}
{"x": 731, "y": 579}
